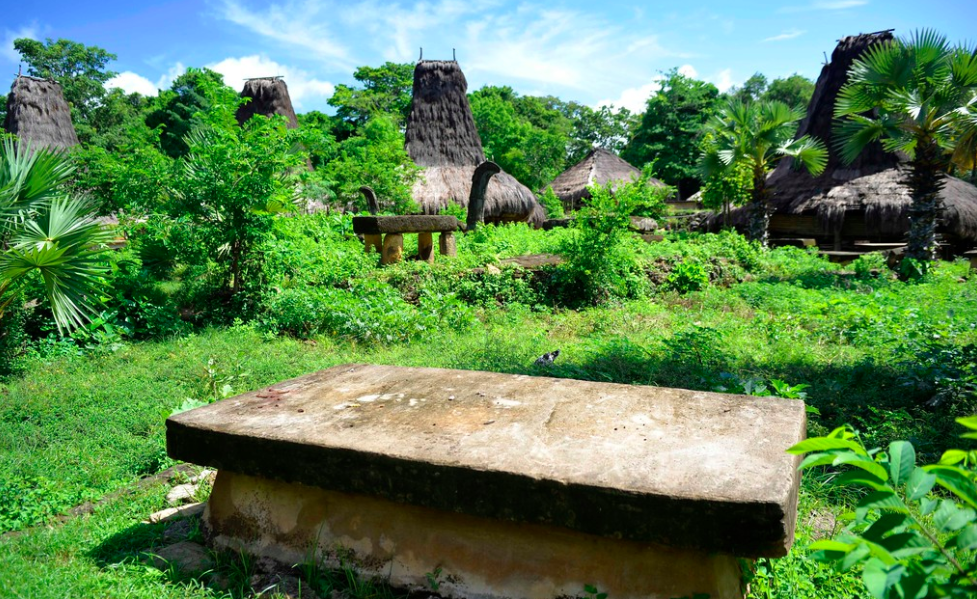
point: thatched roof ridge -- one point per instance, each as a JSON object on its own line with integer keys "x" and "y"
{"x": 37, "y": 112}
{"x": 441, "y": 137}
{"x": 598, "y": 167}
{"x": 440, "y": 127}
{"x": 269, "y": 95}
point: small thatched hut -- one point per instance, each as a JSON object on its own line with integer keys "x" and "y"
{"x": 866, "y": 200}
{"x": 442, "y": 139}
{"x": 599, "y": 167}
{"x": 37, "y": 112}
{"x": 269, "y": 95}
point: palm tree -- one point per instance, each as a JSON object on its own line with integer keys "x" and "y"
{"x": 917, "y": 96}
{"x": 757, "y": 135}
{"x": 43, "y": 230}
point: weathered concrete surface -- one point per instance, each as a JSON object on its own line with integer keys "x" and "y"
{"x": 675, "y": 467}
{"x": 416, "y": 223}
{"x": 479, "y": 558}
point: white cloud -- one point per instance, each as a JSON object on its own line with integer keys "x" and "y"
{"x": 131, "y": 82}
{"x": 723, "y": 80}
{"x": 824, "y": 5}
{"x": 7, "y": 50}
{"x": 302, "y": 87}
{"x": 689, "y": 71}
{"x": 787, "y": 35}
{"x": 529, "y": 41}
{"x": 634, "y": 99}
{"x": 297, "y": 24}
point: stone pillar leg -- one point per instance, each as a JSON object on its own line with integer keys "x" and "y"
{"x": 373, "y": 242}
{"x": 447, "y": 242}
{"x": 393, "y": 248}
{"x": 425, "y": 247}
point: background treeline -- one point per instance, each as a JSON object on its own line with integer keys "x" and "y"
{"x": 534, "y": 138}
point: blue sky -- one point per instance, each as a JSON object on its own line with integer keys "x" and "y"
{"x": 591, "y": 52}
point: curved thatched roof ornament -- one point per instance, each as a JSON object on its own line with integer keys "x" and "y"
{"x": 269, "y": 95}
{"x": 37, "y": 112}
{"x": 442, "y": 139}
{"x": 599, "y": 167}
{"x": 870, "y": 193}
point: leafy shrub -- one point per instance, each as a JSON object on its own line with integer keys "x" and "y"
{"x": 552, "y": 204}
{"x": 366, "y": 311}
{"x": 600, "y": 255}
{"x": 687, "y": 276}
{"x": 907, "y": 539}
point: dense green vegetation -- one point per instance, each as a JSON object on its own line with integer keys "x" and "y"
{"x": 225, "y": 284}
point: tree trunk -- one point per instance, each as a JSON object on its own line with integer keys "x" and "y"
{"x": 926, "y": 180}
{"x": 758, "y": 210}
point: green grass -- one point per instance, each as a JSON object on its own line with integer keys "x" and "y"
{"x": 874, "y": 351}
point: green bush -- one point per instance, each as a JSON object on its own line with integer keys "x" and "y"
{"x": 687, "y": 276}
{"x": 907, "y": 539}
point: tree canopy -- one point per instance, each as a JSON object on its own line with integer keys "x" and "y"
{"x": 80, "y": 70}
{"x": 669, "y": 130}
{"x": 383, "y": 90}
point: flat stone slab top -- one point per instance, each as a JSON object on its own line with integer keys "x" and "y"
{"x": 680, "y": 468}
{"x": 416, "y": 223}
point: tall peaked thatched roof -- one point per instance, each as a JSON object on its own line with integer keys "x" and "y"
{"x": 37, "y": 112}
{"x": 868, "y": 199}
{"x": 873, "y": 187}
{"x": 441, "y": 137}
{"x": 269, "y": 95}
{"x": 599, "y": 167}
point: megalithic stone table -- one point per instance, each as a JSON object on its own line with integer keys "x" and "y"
{"x": 392, "y": 229}
{"x": 514, "y": 486}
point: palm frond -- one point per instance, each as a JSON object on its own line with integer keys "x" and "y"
{"x": 63, "y": 244}
{"x": 853, "y": 134}
{"x": 809, "y": 152}
{"x": 29, "y": 177}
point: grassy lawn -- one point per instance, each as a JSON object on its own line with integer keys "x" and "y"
{"x": 79, "y": 426}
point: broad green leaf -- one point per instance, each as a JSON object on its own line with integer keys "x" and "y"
{"x": 830, "y": 545}
{"x": 902, "y": 460}
{"x": 816, "y": 459}
{"x": 865, "y": 463}
{"x": 826, "y": 444}
{"x": 949, "y": 517}
{"x": 919, "y": 484}
{"x": 879, "y": 500}
{"x": 855, "y": 557}
{"x": 957, "y": 481}
{"x": 886, "y": 523}
{"x": 969, "y": 422}
{"x": 953, "y": 456}
{"x": 929, "y": 504}
{"x": 861, "y": 478}
{"x": 879, "y": 579}
{"x": 967, "y": 538}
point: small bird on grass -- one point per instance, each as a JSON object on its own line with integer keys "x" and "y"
{"x": 547, "y": 359}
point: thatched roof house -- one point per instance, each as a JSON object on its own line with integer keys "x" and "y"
{"x": 599, "y": 167}
{"x": 442, "y": 139}
{"x": 866, "y": 200}
{"x": 37, "y": 112}
{"x": 269, "y": 95}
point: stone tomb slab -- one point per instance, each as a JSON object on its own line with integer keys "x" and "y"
{"x": 369, "y": 457}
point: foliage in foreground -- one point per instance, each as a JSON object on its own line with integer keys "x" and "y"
{"x": 907, "y": 538}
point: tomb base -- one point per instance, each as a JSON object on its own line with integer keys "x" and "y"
{"x": 478, "y": 558}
